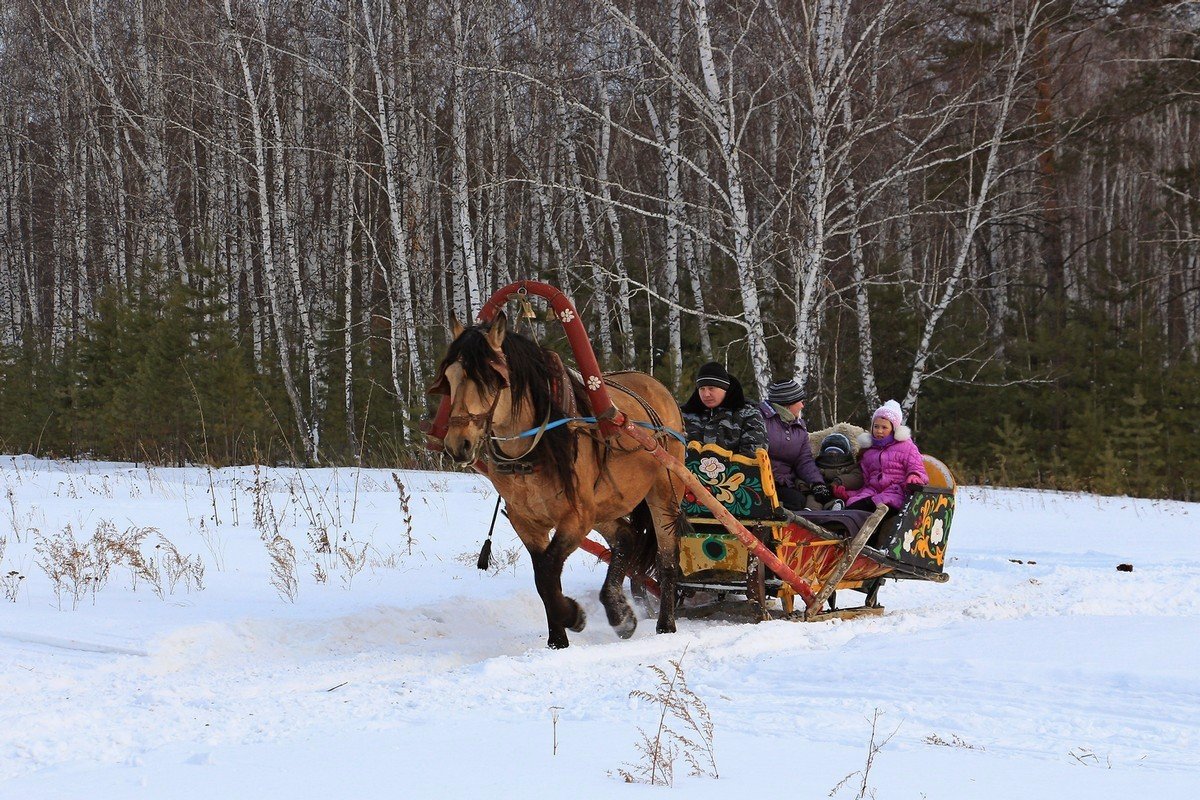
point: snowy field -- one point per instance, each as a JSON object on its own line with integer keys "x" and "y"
{"x": 398, "y": 670}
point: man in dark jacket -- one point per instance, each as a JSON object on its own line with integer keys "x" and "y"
{"x": 798, "y": 480}
{"x": 717, "y": 413}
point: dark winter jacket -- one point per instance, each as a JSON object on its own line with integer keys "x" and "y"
{"x": 840, "y": 469}
{"x": 734, "y": 425}
{"x": 787, "y": 444}
{"x": 887, "y": 466}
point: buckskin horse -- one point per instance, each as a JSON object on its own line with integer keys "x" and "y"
{"x": 561, "y": 481}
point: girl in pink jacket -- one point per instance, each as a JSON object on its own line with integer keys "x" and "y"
{"x": 890, "y": 462}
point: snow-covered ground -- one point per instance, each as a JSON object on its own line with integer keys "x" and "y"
{"x": 418, "y": 676}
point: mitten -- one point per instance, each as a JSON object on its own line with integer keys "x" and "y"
{"x": 821, "y": 492}
{"x": 840, "y": 492}
{"x": 913, "y": 486}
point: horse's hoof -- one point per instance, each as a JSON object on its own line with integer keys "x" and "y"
{"x": 665, "y": 627}
{"x": 558, "y": 644}
{"x": 580, "y": 619}
{"x": 626, "y": 626}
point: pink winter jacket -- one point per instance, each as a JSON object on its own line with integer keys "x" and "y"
{"x": 886, "y": 469}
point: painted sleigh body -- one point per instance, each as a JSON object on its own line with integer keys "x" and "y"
{"x": 819, "y": 547}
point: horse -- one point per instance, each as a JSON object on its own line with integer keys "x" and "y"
{"x": 566, "y": 479}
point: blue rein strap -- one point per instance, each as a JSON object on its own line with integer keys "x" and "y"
{"x": 592, "y": 420}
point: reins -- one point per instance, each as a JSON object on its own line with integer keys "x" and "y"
{"x": 591, "y": 421}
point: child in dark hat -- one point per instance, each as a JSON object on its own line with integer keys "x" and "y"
{"x": 840, "y": 468}
{"x": 717, "y": 413}
{"x": 797, "y": 479}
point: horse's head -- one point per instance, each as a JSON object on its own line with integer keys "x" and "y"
{"x": 475, "y": 375}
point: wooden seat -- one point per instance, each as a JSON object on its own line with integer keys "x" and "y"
{"x": 939, "y": 474}
{"x": 745, "y": 486}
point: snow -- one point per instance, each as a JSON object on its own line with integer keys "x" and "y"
{"x": 1038, "y": 670}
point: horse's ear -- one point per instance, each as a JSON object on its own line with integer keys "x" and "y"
{"x": 456, "y": 327}
{"x": 499, "y": 327}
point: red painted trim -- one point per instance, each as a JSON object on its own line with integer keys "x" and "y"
{"x": 581, "y": 346}
{"x": 604, "y": 554}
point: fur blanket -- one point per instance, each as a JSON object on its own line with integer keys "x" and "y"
{"x": 851, "y": 432}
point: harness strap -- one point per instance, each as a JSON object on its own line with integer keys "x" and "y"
{"x": 537, "y": 433}
{"x": 592, "y": 421}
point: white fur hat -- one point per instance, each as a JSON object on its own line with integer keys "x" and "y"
{"x": 892, "y": 412}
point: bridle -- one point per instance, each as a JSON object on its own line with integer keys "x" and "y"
{"x": 486, "y": 419}
{"x": 483, "y": 420}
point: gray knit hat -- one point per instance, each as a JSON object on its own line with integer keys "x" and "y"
{"x": 785, "y": 393}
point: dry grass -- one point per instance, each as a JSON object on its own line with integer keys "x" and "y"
{"x": 405, "y": 511}
{"x": 283, "y": 568}
{"x": 10, "y": 584}
{"x": 67, "y": 564}
{"x": 76, "y": 568}
{"x": 860, "y": 779}
{"x": 685, "y": 730}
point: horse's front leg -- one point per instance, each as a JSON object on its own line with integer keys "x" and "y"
{"x": 562, "y": 612}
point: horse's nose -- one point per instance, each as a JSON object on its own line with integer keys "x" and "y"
{"x": 459, "y": 450}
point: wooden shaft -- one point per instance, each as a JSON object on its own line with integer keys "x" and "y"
{"x": 853, "y": 548}
{"x": 601, "y": 552}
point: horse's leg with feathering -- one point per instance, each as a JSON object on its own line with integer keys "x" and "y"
{"x": 562, "y": 612}
{"x": 668, "y": 520}
{"x": 621, "y": 537}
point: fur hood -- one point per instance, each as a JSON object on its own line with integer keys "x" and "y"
{"x": 902, "y": 434}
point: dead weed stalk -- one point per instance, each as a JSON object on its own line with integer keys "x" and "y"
{"x": 861, "y": 777}
{"x": 685, "y": 729}
{"x": 283, "y": 568}
{"x": 406, "y": 511}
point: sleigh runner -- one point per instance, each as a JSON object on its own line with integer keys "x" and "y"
{"x": 740, "y": 540}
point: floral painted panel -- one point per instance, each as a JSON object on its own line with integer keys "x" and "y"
{"x": 924, "y": 529}
{"x": 734, "y": 480}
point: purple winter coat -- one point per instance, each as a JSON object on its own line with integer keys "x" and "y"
{"x": 787, "y": 445}
{"x": 885, "y": 471}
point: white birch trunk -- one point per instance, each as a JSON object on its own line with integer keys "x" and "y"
{"x": 600, "y": 287}
{"x": 267, "y": 244}
{"x": 829, "y": 24}
{"x": 464, "y": 238}
{"x": 402, "y": 318}
{"x": 974, "y": 212}
{"x": 285, "y": 221}
{"x": 721, "y": 110}
{"x": 603, "y": 154}
{"x": 167, "y": 241}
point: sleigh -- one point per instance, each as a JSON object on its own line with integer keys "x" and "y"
{"x": 827, "y": 550}
{"x": 741, "y": 542}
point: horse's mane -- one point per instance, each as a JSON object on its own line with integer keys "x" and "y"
{"x": 529, "y": 377}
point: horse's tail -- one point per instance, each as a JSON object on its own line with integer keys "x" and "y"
{"x": 645, "y": 548}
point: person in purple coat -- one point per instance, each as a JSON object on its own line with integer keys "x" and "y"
{"x": 892, "y": 465}
{"x": 798, "y": 480}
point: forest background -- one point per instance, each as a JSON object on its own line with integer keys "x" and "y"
{"x": 234, "y": 231}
